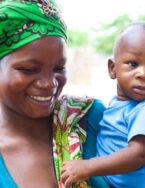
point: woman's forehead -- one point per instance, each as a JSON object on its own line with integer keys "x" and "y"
{"x": 38, "y": 51}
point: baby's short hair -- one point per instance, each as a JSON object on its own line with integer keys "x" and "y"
{"x": 137, "y": 24}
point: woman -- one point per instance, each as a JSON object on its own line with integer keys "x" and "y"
{"x": 38, "y": 130}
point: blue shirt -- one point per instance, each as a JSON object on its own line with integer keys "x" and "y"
{"x": 6, "y": 181}
{"x": 121, "y": 122}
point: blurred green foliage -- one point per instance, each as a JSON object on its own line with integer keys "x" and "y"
{"x": 77, "y": 38}
{"x": 107, "y": 33}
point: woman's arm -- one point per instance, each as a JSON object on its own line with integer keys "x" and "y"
{"x": 91, "y": 120}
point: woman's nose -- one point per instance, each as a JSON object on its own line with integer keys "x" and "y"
{"x": 46, "y": 83}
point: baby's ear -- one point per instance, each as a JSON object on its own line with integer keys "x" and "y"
{"x": 111, "y": 68}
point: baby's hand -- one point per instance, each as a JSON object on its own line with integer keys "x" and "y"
{"x": 73, "y": 171}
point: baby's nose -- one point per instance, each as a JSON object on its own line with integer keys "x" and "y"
{"x": 141, "y": 72}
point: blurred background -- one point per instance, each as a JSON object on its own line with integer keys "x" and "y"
{"x": 92, "y": 30}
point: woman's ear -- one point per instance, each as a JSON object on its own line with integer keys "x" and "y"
{"x": 111, "y": 68}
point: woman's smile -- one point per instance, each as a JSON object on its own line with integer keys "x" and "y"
{"x": 41, "y": 101}
{"x": 40, "y": 98}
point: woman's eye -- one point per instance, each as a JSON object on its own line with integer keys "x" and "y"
{"x": 132, "y": 64}
{"x": 28, "y": 70}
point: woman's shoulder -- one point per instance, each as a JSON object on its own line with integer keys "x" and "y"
{"x": 94, "y": 116}
{"x": 91, "y": 108}
{"x": 75, "y": 98}
{"x": 93, "y": 105}
{"x": 79, "y": 102}
{"x": 96, "y": 109}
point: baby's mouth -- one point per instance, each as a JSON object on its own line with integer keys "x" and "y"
{"x": 139, "y": 90}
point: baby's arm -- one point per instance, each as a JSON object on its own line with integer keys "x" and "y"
{"x": 122, "y": 161}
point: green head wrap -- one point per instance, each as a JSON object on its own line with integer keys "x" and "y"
{"x": 22, "y": 21}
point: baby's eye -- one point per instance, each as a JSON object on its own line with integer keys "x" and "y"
{"x": 133, "y": 64}
{"x": 61, "y": 69}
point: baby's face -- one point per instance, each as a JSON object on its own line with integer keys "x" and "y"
{"x": 33, "y": 76}
{"x": 129, "y": 65}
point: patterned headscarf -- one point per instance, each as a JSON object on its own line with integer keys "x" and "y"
{"x": 22, "y": 21}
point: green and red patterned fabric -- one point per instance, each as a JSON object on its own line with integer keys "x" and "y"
{"x": 68, "y": 135}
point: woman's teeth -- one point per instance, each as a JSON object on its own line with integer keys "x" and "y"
{"x": 42, "y": 99}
